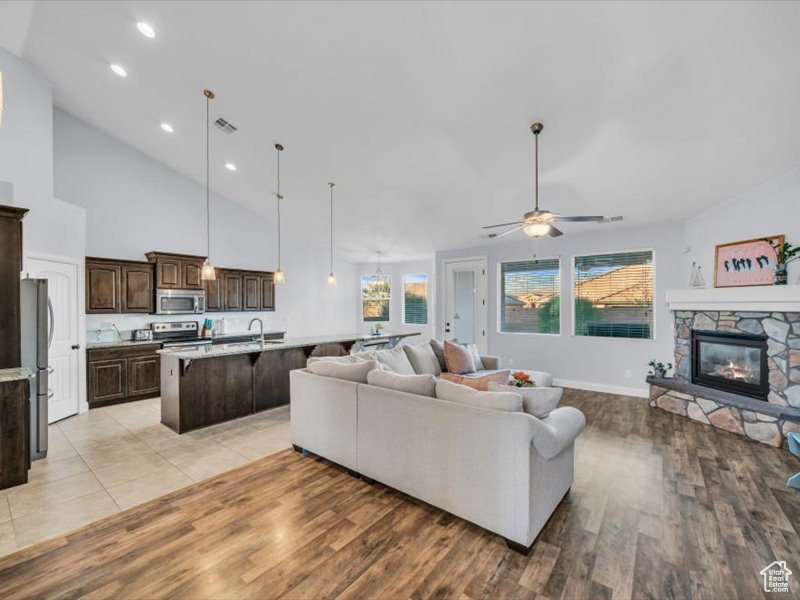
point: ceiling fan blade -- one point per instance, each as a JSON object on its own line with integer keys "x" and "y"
{"x": 612, "y": 219}
{"x": 554, "y": 232}
{"x": 592, "y": 219}
{"x": 504, "y": 224}
{"x": 502, "y": 233}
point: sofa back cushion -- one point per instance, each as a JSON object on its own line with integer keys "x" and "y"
{"x": 476, "y": 356}
{"x": 343, "y": 360}
{"x": 421, "y": 385}
{"x": 458, "y": 359}
{"x": 536, "y": 401}
{"x": 356, "y": 371}
{"x": 396, "y": 360}
{"x": 481, "y": 383}
{"x": 454, "y": 392}
{"x": 422, "y": 359}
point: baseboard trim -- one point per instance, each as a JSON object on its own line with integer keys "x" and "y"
{"x": 602, "y": 387}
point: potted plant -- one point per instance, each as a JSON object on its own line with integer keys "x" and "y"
{"x": 785, "y": 253}
{"x": 658, "y": 369}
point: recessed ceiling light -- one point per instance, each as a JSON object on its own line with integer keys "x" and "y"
{"x": 230, "y": 166}
{"x": 167, "y": 127}
{"x": 146, "y": 29}
{"x": 119, "y": 70}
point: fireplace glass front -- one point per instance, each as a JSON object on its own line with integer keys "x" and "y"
{"x": 731, "y": 362}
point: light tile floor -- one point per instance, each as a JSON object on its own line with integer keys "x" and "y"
{"x": 112, "y": 458}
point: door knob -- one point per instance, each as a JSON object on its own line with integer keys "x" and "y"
{"x": 76, "y": 346}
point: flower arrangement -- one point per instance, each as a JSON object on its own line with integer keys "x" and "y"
{"x": 658, "y": 368}
{"x": 521, "y": 379}
{"x": 785, "y": 254}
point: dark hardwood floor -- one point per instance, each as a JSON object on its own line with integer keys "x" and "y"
{"x": 661, "y": 507}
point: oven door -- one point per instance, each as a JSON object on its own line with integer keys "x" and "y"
{"x": 179, "y": 302}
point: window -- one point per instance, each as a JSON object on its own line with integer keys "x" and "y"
{"x": 415, "y": 299}
{"x": 614, "y": 295}
{"x": 376, "y": 295}
{"x": 530, "y": 296}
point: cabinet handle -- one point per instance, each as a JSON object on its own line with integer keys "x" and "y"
{"x": 76, "y": 346}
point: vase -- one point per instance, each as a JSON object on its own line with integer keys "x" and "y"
{"x": 781, "y": 276}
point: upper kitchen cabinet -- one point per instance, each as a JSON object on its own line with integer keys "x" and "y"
{"x": 118, "y": 286}
{"x": 103, "y": 286}
{"x": 215, "y": 302}
{"x": 10, "y": 268}
{"x": 251, "y": 291}
{"x": 177, "y": 271}
{"x": 266, "y": 282}
{"x": 231, "y": 290}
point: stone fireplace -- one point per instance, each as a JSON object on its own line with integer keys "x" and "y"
{"x": 736, "y": 368}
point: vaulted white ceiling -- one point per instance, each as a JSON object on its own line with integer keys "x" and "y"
{"x": 421, "y": 111}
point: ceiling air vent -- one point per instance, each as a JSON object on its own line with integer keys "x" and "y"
{"x": 224, "y": 125}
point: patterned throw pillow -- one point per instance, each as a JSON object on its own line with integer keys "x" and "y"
{"x": 479, "y": 383}
{"x": 458, "y": 359}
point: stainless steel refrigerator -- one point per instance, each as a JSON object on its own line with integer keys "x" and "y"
{"x": 36, "y": 326}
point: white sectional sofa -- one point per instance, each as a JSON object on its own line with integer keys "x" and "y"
{"x": 503, "y": 470}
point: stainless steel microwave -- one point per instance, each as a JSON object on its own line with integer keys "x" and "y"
{"x": 180, "y": 302}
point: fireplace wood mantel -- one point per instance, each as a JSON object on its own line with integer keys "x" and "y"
{"x": 778, "y": 298}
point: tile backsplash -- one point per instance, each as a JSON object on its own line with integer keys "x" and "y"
{"x": 100, "y": 328}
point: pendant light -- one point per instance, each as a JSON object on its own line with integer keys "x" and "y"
{"x": 208, "y": 273}
{"x": 279, "y": 277}
{"x": 331, "y": 276}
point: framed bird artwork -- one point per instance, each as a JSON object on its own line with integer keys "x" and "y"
{"x": 745, "y": 263}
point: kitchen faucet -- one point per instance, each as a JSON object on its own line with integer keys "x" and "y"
{"x": 261, "y": 326}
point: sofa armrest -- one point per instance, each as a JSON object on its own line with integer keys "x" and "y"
{"x": 553, "y": 434}
{"x": 490, "y": 362}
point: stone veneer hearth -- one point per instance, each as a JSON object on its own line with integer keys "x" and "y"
{"x": 766, "y": 422}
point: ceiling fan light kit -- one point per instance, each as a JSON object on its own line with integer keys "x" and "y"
{"x": 540, "y": 222}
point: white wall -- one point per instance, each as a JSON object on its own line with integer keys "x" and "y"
{"x": 397, "y": 271}
{"x": 595, "y": 363}
{"x": 771, "y": 208}
{"x": 135, "y": 204}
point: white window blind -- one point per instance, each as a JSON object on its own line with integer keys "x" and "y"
{"x": 530, "y": 296}
{"x": 415, "y": 299}
{"x": 614, "y": 295}
{"x": 376, "y": 296}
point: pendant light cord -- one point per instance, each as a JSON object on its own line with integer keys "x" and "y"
{"x": 278, "y": 148}
{"x": 332, "y": 185}
{"x": 536, "y": 168}
{"x": 208, "y": 193}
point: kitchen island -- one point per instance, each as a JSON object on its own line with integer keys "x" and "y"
{"x": 212, "y": 384}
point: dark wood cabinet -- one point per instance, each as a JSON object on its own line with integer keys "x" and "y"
{"x": 10, "y": 268}
{"x": 232, "y": 290}
{"x": 251, "y": 292}
{"x": 107, "y": 380}
{"x": 214, "y": 297}
{"x": 177, "y": 271}
{"x": 138, "y": 294}
{"x": 123, "y": 373}
{"x": 266, "y": 284}
{"x": 144, "y": 375}
{"x": 15, "y": 419}
{"x": 191, "y": 275}
{"x": 103, "y": 283}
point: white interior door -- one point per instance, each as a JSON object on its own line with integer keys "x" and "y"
{"x": 465, "y": 308}
{"x": 63, "y": 355}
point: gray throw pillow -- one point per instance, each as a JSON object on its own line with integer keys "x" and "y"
{"x": 438, "y": 350}
{"x": 423, "y": 359}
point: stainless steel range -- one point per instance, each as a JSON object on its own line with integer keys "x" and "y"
{"x": 179, "y": 334}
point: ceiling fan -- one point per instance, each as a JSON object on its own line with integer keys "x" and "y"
{"x": 539, "y": 222}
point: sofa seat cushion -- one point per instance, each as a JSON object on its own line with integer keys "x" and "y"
{"x": 479, "y": 382}
{"x": 422, "y": 358}
{"x": 421, "y": 385}
{"x": 352, "y": 372}
{"x": 536, "y": 401}
{"x": 396, "y": 360}
{"x": 454, "y": 392}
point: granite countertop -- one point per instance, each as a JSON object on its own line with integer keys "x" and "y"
{"x": 298, "y": 342}
{"x": 15, "y": 374}
{"x": 121, "y": 343}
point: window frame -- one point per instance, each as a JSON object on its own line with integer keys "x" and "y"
{"x": 427, "y": 299}
{"x": 500, "y": 300}
{"x": 389, "y": 299}
{"x": 653, "y": 329}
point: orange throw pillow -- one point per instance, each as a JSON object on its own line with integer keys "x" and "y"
{"x": 479, "y": 383}
{"x": 458, "y": 359}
